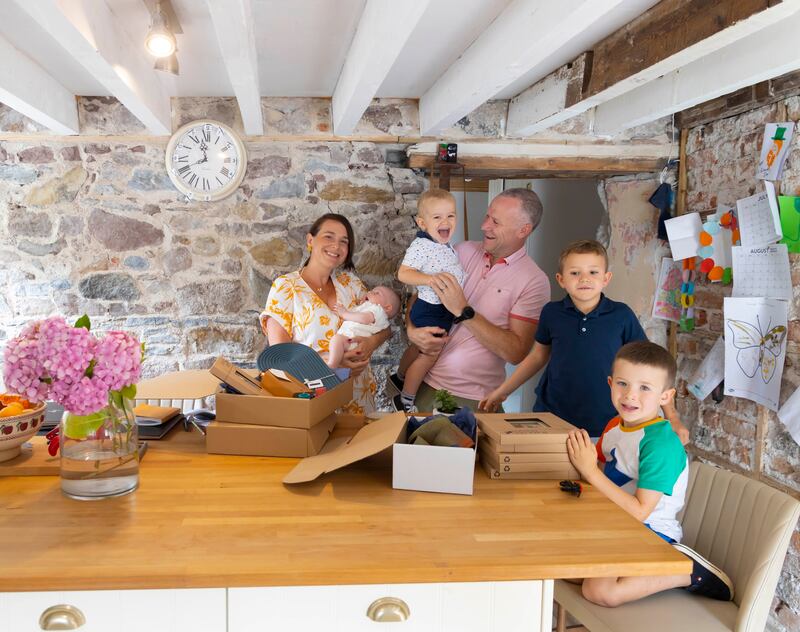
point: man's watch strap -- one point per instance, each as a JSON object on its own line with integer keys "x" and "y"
{"x": 466, "y": 314}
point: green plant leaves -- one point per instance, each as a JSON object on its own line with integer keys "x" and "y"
{"x": 81, "y": 426}
{"x": 84, "y": 322}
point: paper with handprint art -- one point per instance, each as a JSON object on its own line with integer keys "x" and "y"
{"x": 755, "y": 348}
{"x": 667, "y": 301}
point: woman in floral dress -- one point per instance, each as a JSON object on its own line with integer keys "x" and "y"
{"x": 301, "y": 305}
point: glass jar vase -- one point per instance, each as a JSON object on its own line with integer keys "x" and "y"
{"x": 100, "y": 451}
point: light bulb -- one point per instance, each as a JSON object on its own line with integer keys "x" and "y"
{"x": 160, "y": 43}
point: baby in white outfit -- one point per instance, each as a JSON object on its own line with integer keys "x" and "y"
{"x": 380, "y": 304}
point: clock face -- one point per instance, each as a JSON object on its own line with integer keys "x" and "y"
{"x": 206, "y": 160}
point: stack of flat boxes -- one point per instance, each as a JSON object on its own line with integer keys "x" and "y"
{"x": 525, "y": 446}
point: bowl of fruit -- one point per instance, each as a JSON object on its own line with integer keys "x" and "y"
{"x": 19, "y": 421}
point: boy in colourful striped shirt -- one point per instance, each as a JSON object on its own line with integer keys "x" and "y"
{"x": 643, "y": 469}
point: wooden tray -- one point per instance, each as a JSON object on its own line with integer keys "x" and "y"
{"x": 35, "y": 461}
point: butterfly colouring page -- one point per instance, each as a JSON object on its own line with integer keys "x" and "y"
{"x": 755, "y": 348}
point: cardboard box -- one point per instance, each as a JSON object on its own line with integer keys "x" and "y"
{"x": 547, "y": 453}
{"x": 283, "y": 412}
{"x": 243, "y": 381}
{"x": 525, "y": 432}
{"x": 555, "y": 470}
{"x": 414, "y": 467}
{"x": 554, "y": 475}
{"x": 249, "y": 439}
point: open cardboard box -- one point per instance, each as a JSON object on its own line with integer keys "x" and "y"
{"x": 414, "y": 467}
{"x": 284, "y": 412}
{"x": 254, "y": 440}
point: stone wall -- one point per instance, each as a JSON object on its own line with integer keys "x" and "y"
{"x": 721, "y": 161}
{"x": 95, "y": 226}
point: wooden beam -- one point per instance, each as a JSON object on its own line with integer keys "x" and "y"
{"x": 522, "y": 38}
{"x": 27, "y": 88}
{"x": 767, "y": 53}
{"x": 673, "y": 34}
{"x": 540, "y": 167}
{"x": 233, "y": 23}
{"x": 549, "y": 97}
{"x": 740, "y": 101}
{"x": 89, "y": 32}
{"x": 383, "y": 30}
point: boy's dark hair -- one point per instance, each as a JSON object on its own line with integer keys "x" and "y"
{"x": 649, "y": 354}
{"x": 351, "y": 239}
{"x": 583, "y": 247}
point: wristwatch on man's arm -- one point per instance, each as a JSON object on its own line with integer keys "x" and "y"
{"x": 466, "y": 314}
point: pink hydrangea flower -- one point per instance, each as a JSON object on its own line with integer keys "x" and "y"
{"x": 88, "y": 395}
{"x": 23, "y": 366}
{"x": 119, "y": 359}
{"x": 51, "y": 358}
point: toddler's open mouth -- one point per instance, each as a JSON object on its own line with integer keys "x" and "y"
{"x": 444, "y": 233}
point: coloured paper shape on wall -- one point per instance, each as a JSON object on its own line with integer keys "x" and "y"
{"x": 790, "y": 221}
{"x": 789, "y": 414}
{"x": 720, "y": 232}
{"x": 684, "y": 235}
{"x": 755, "y": 348}
{"x": 774, "y": 148}
{"x": 710, "y": 372}
{"x": 762, "y": 272}
{"x": 758, "y": 224}
{"x": 667, "y": 301}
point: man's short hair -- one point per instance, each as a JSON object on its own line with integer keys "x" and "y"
{"x": 583, "y": 247}
{"x": 530, "y": 204}
{"x": 646, "y": 353}
{"x": 434, "y": 194}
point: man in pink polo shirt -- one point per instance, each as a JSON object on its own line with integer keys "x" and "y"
{"x": 497, "y": 310}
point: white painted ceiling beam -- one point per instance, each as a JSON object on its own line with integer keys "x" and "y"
{"x": 233, "y": 23}
{"x": 90, "y": 32}
{"x": 383, "y": 30}
{"x": 525, "y": 35}
{"x": 532, "y": 110}
{"x": 768, "y": 53}
{"x": 28, "y": 89}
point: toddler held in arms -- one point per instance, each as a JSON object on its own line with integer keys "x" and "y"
{"x": 373, "y": 315}
{"x": 429, "y": 258}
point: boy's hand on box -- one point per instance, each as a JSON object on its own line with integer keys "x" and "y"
{"x": 582, "y": 453}
{"x": 492, "y": 402}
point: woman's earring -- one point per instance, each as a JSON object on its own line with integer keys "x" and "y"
{"x": 309, "y": 247}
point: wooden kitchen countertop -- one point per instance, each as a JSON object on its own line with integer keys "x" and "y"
{"x": 201, "y": 520}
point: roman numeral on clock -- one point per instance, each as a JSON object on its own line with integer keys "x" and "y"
{"x": 224, "y": 171}
{"x": 192, "y": 179}
{"x": 206, "y": 185}
{"x": 184, "y": 170}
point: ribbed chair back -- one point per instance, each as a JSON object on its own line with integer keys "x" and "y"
{"x": 744, "y": 527}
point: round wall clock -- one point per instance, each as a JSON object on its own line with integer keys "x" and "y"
{"x": 206, "y": 160}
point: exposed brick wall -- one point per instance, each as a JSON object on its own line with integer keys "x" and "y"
{"x": 721, "y": 164}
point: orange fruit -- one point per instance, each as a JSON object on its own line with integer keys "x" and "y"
{"x": 14, "y": 408}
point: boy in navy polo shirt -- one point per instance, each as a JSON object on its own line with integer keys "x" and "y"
{"x": 579, "y": 336}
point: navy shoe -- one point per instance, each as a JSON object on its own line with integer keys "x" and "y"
{"x": 397, "y": 404}
{"x": 707, "y": 579}
{"x": 395, "y": 381}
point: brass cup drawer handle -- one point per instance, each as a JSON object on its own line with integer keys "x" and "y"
{"x": 62, "y": 617}
{"x": 388, "y": 610}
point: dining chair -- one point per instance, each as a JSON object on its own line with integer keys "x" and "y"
{"x": 741, "y": 525}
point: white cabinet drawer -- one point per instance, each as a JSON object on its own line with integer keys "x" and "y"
{"x": 449, "y": 607}
{"x": 190, "y": 610}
